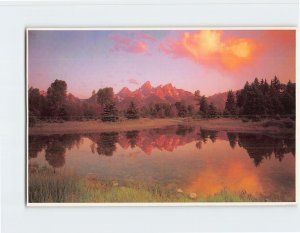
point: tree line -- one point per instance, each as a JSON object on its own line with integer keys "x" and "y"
{"x": 256, "y": 98}
{"x": 57, "y": 105}
{"x": 262, "y": 99}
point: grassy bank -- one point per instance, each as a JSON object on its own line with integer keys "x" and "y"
{"x": 46, "y": 186}
{"x": 227, "y": 124}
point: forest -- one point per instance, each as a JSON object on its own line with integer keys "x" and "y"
{"x": 254, "y": 101}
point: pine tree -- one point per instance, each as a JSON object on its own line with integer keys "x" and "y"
{"x": 275, "y": 97}
{"x": 212, "y": 110}
{"x": 276, "y": 85}
{"x": 241, "y": 97}
{"x": 203, "y": 106}
{"x": 132, "y": 111}
{"x": 289, "y": 98}
{"x": 110, "y": 112}
{"x": 230, "y": 105}
{"x": 254, "y": 102}
{"x": 182, "y": 112}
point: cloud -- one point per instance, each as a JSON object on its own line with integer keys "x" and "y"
{"x": 138, "y": 43}
{"x": 144, "y": 36}
{"x": 133, "y": 81}
{"x": 212, "y": 48}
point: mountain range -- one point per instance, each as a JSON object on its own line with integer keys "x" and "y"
{"x": 147, "y": 94}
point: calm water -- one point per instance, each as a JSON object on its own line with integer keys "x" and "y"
{"x": 195, "y": 160}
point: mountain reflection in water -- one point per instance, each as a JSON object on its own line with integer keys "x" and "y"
{"x": 203, "y": 161}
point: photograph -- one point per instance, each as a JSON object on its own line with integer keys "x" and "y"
{"x": 170, "y": 116}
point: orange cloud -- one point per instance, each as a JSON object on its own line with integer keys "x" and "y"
{"x": 137, "y": 44}
{"x": 211, "y": 48}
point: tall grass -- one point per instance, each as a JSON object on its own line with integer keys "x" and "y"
{"x": 46, "y": 186}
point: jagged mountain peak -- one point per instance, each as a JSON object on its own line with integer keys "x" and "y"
{"x": 147, "y": 85}
{"x": 125, "y": 90}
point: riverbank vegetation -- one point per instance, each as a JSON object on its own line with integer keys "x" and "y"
{"x": 282, "y": 125}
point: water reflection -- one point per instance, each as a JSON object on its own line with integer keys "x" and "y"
{"x": 232, "y": 138}
{"x": 202, "y": 161}
{"x": 183, "y": 130}
{"x": 259, "y": 147}
{"x": 106, "y": 142}
{"x": 132, "y": 137}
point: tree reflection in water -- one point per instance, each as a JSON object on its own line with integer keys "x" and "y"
{"x": 132, "y": 137}
{"x": 55, "y": 154}
{"x": 259, "y": 147}
{"x": 232, "y": 138}
{"x": 204, "y": 135}
{"x": 55, "y": 147}
{"x": 106, "y": 143}
{"x": 183, "y": 130}
{"x": 36, "y": 144}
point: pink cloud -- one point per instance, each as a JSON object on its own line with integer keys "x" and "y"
{"x": 133, "y": 81}
{"x": 210, "y": 48}
{"x": 145, "y": 37}
{"x": 138, "y": 44}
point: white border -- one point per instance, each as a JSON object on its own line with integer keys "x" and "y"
{"x": 141, "y": 204}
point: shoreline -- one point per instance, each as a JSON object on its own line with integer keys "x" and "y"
{"x": 96, "y": 126}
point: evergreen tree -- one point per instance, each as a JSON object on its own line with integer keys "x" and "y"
{"x": 275, "y": 97}
{"x": 276, "y": 85}
{"x": 182, "y": 112}
{"x": 251, "y": 100}
{"x": 289, "y": 98}
{"x": 110, "y": 113}
{"x": 212, "y": 110}
{"x": 203, "y": 106}
{"x": 241, "y": 97}
{"x": 230, "y": 105}
{"x": 132, "y": 111}
{"x": 197, "y": 97}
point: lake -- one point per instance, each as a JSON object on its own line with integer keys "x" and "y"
{"x": 186, "y": 159}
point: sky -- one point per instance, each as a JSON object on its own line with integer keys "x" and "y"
{"x": 211, "y": 61}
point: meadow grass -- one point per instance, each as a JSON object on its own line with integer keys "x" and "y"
{"x": 49, "y": 187}
{"x": 227, "y": 124}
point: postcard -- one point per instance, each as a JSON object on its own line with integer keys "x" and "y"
{"x": 150, "y": 116}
